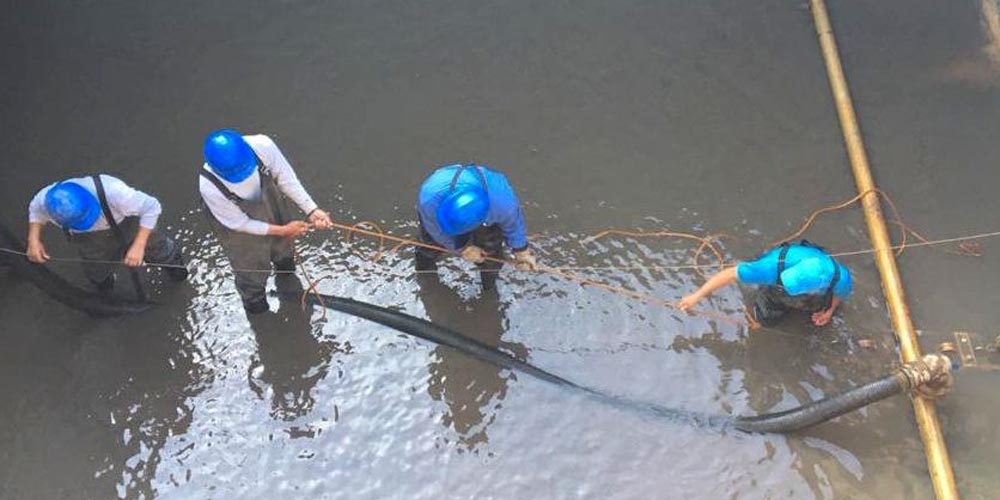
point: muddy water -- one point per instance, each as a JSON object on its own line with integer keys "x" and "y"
{"x": 691, "y": 116}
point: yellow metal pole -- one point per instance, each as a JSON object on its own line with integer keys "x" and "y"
{"x": 991, "y": 22}
{"x": 926, "y": 415}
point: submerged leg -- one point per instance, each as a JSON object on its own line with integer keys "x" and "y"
{"x": 162, "y": 249}
{"x": 490, "y": 239}
{"x": 99, "y": 246}
{"x": 425, "y": 259}
{"x": 765, "y": 309}
{"x": 250, "y": 258}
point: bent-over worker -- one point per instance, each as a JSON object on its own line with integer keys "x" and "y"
{"x": 473, "y": 210}
{"x": 107, "y": 220}
{"x": 792, "y": 276}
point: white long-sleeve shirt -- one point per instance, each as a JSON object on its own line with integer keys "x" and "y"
{"x": 123, "y": 200}
{"x": 276, "y": 165}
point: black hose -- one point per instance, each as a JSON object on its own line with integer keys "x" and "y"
{"x": 435, "y": 333}
{"x": 781, "y": 422}
{"x": 438, "y": 334}
{"x": 824, "y": 409}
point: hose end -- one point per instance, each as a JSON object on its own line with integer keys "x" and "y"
{"x": 930, "y": 377}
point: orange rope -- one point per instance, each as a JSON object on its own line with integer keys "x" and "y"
{"x": 640, "y": 296}
{"x": 312, "y": 284}
{"x": 376, "y": 232}
{"x": 905, "y": 229}
{"x": 705, "y": 242}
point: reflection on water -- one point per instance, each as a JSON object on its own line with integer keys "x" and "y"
{"x": 93, "y": 402}
{"x": 290, "y": 361}
{"x": 472, "y": 389}
{"x": 606, "y": 114}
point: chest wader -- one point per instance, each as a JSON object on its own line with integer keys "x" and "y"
{"x": 111, "y": 245}
{"x": 251, "y": 255}
{"x": 771, "y": 303}
{"x": 488, "y": 237}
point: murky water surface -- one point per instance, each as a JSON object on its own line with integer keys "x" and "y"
{"x": 710, "y": 116}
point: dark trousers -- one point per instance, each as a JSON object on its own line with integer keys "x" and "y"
{"x": 769, "y": 304}
{"x": 765, "y": 308}
{"x": 489, "y": 238}
{"x": 104, "y": 246}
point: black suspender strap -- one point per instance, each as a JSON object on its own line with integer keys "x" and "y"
{"x": 228, "y": 193}
{"x": 102, "y": 197}
{"x": 267, "y": 191}
{"x": 833, "y": 283}
{"x": 458, "y": 173}
{"x": 781, "y": 262}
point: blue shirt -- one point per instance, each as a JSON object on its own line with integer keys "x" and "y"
{"x": 764, "y": 270}
{"x": 505, "y": 208}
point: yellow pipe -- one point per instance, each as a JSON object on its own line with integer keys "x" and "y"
{"x": 938, "y": 463}
{"x": 991, "y": 22}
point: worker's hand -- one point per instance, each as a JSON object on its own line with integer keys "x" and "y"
{"x": 320, "y": 219}
{"x": 36, "y": 252}
{"x": 525, "y": 260}
{"x": 474, "y": 254}
{"x": 688, "y": 302}
{"x": 134, "y": 256}
{"x": 822, "y": 318}
{"x": 294, "y": 229}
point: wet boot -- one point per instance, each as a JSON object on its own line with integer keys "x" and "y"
{"x": 256, "y": 306}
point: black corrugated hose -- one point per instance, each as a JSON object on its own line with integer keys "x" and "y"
{"x": 781, "y": 422}
{"x": 824, "y": 409}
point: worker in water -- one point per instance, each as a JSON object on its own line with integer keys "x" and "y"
{"x": 792, "y": 276}
{"x": 244, "y": 183}
{"x": 107, "y": 220}
{"x": 472, "y": 210}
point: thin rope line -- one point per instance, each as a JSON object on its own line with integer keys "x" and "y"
{"x": 551, "y": 270}
{"x": 559, "y": 268}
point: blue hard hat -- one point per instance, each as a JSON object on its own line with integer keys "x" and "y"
{"x": 808, "y": 276}
{"x": 463, "y": 210}
{"x": 72, "y": 206}
{"x": 229, "y": 155}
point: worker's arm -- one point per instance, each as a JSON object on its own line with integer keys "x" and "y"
{"x": 137, "y": 251}
{"x": 822, "y": 318}
{"x": 288, "y": 181}
{"x": 293, "y": 229}
{"x": 130, "y": 202}
{"x": 722, "y": 278}
{"x": 506, "y": 210}
{"x": 842, "y": 291}
{"x": 38, "y": 217}
{"x": 36, "y": 249}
